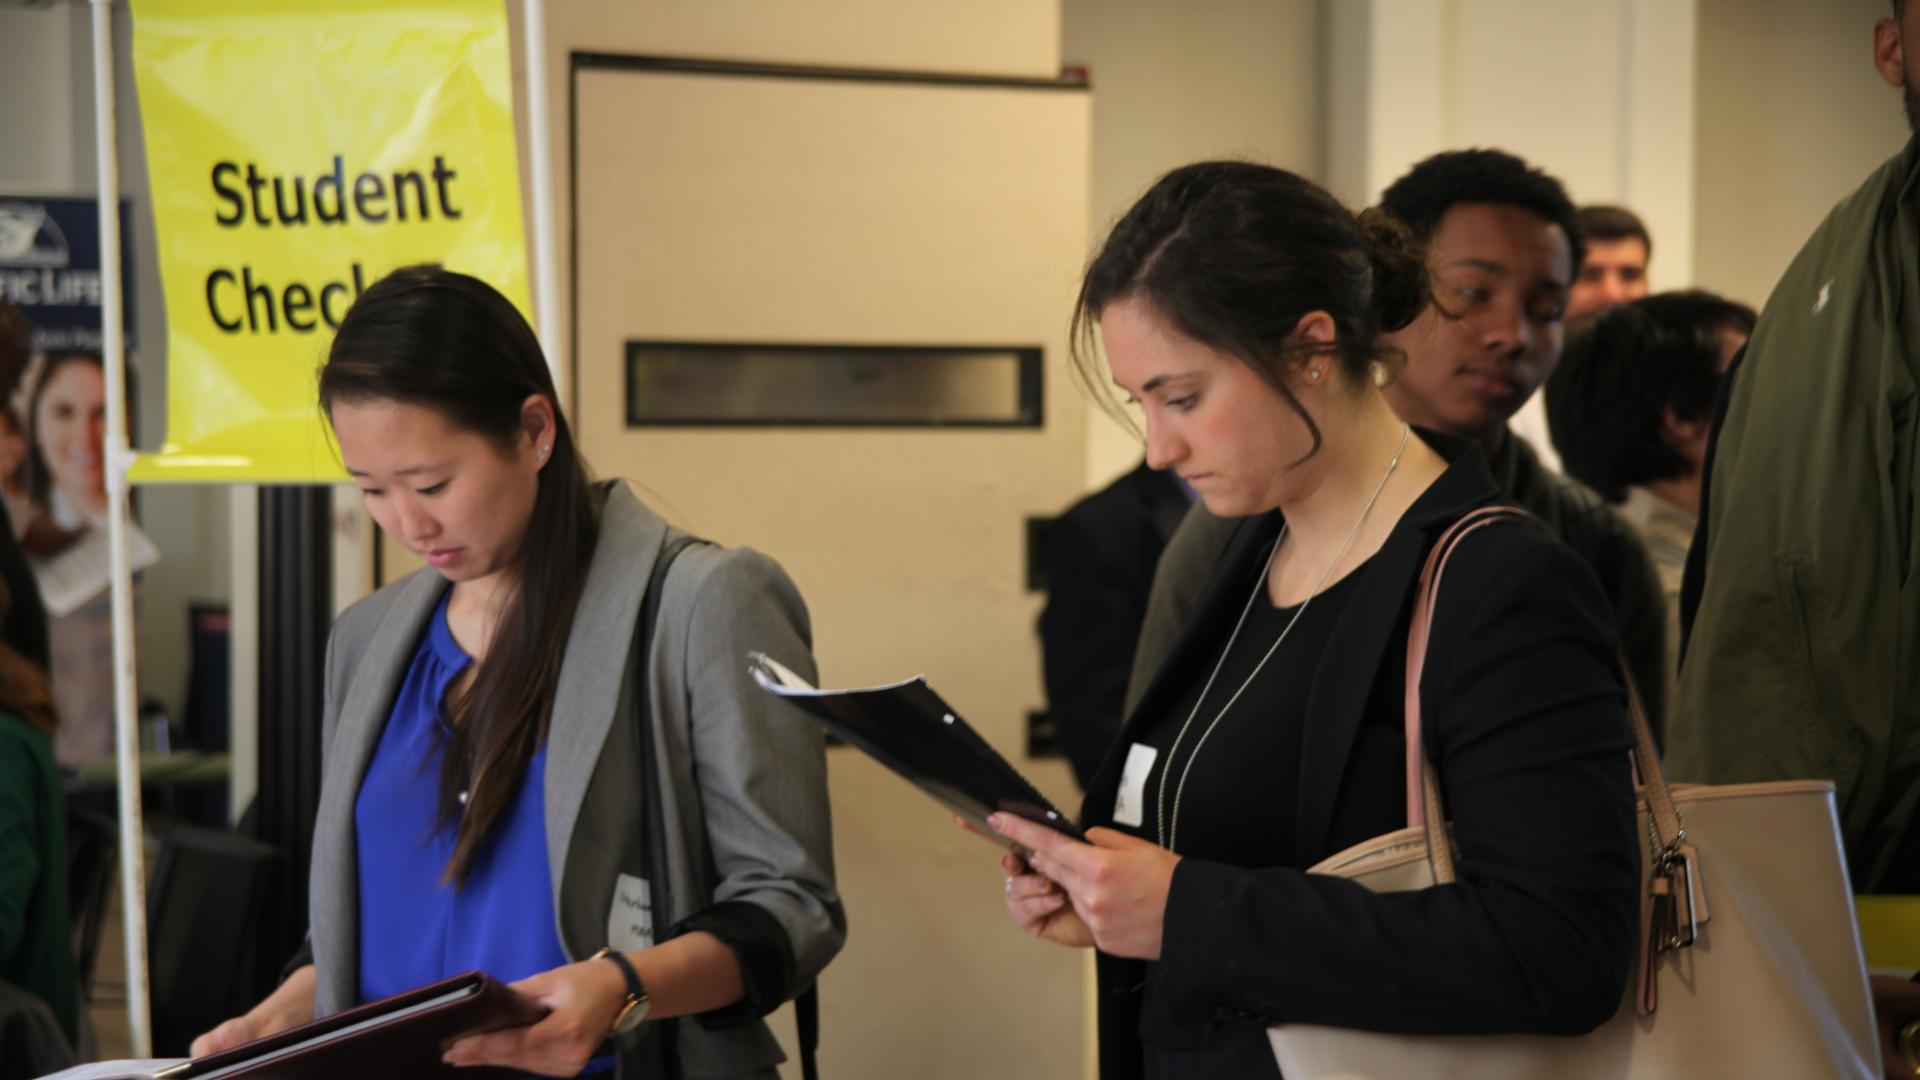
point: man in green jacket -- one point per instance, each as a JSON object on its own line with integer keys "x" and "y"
{"x": 1802, "y": 659}
{"x": 1504, "y": 247}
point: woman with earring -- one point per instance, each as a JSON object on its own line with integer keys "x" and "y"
{"x": 1242, "y": 308}
{"x": 523, "y": 776}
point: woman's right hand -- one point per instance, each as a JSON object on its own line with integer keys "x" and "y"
{"x": 232, "y": 1033}
{"x": 1040, "y": 907}
{"x": 289, "y": 1006}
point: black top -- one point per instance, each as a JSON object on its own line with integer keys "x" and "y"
{"x": 1224, "y": 784}
{"x": 1525, "y": 722}
{"x": 1228, "y": 811}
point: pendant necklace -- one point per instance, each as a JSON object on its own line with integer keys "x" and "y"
{"x": 1169, "y": 835}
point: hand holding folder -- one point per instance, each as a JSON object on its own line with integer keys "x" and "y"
{"x": 403, "y": 1035}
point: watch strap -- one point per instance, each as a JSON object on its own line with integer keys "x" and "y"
{"x": 638, "y": 1004}
{"x": 636, "y": 990}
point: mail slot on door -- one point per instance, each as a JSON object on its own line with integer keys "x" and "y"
{"x": 708, "y": 384}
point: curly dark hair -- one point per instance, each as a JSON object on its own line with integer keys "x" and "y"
{"x": 1428, "y": 190}
{"x": 1620, "y": 375}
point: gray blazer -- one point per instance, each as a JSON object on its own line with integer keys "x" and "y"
{"x": 743, "y": 784}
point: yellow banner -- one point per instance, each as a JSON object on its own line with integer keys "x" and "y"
{"x": 298, "y": 151}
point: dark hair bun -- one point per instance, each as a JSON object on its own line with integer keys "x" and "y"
{"x": 1399, "y": 263}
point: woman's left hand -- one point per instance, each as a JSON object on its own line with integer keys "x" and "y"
{"x": 584, "y": 997}
{"x": 1118, "y": 884}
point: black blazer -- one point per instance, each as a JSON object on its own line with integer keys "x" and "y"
{"x": 1525, "y": 721}
{"x": 1100, "y": 559}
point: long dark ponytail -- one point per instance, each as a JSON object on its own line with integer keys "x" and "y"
{"x": 427, "y": 336}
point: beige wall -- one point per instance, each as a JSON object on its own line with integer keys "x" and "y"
{"x": 1180, "y": 82}
{"x": 1597, "y": 92}
{"x": 980, "y": 37}
{"x": 1792, "y": 118}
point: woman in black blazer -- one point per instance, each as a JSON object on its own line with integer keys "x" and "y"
{"x": 1242, "y": 307}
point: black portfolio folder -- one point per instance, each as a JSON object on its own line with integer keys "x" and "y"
{"x": 912, "y": 731}
{"x": 400, "y": 1036}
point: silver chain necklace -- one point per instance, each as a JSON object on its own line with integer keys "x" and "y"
{"x": 1168, "y": 836}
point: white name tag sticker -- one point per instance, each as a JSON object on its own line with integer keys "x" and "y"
{"x": 1130, "y": 807}
{"x": 630, "y": 919}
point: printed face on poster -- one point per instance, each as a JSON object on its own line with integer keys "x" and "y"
{"x": 299, "y": 151}
{"x": 52, "y": 435}
{"x": 52, "y": 385}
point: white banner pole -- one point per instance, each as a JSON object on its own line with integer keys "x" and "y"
{"x": 133, "y": 887}
{"x": 546, "y": 263}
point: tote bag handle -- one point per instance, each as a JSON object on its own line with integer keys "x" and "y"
{"x": 1423, "y": 783}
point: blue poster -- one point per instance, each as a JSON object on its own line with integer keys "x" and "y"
{"x": 50, "y": 269}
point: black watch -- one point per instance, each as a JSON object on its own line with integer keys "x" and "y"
{"x": 638, "y": 1003}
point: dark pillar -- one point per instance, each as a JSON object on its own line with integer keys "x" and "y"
{"x": 296, "y": 611}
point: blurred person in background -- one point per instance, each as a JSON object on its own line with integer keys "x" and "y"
{"x": 1100, "y": 556}
{"x": 24, "y": 626}
{"x": 1614, "y": 272}
{"x": 36, "y": 940}
{"x": 1630, "y": 405}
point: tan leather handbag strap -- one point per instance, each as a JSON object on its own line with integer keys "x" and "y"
{"x": 1653, "y": 779}
{"x": 1428, "y": 589}
{"x": 1423, "y": 783}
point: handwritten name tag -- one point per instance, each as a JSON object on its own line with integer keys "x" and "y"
{"x": 630, "y": 919}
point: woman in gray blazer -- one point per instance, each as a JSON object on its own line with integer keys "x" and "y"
{"x": 511, "y": 782}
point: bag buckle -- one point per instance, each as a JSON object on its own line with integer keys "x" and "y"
{"x": 1676, "y": 909}
{"x": 1679, "y": 902}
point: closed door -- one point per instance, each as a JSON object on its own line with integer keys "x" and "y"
{"x": 944, "y": 220}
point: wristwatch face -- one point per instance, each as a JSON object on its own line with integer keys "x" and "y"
{"x": 631, "y": 1016}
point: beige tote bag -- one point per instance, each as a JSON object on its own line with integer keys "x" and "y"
{"x": 1763, "y": 976}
